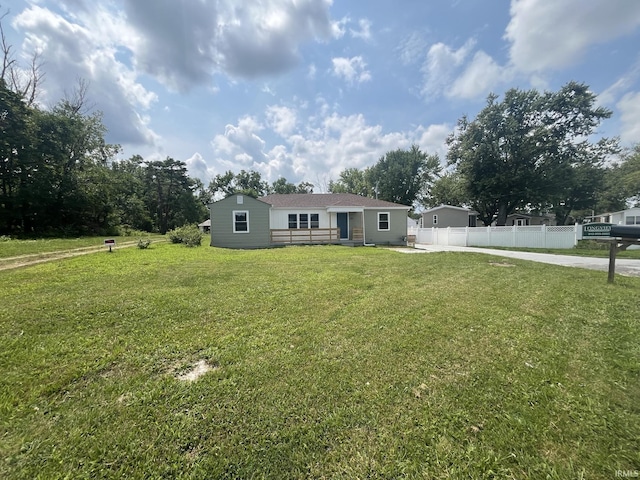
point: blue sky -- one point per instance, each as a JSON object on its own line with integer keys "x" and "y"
{"x": 303, "y": 89}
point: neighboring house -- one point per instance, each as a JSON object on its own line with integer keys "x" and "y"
{"x": 239, "y": 221}
{"x": 205, "y": 227}
{"x": 449, "y": 216}
{"x": 631, "y": 216}
{"x": 522, "y": 219}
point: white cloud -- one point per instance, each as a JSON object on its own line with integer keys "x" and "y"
{"x": 353, "y": 70}
{"x": 479, "y": 77}
{"x": 339, "y": 27}
{"x": 317, "y": 149}
{"x": 441, "y": 66}
{"x": 198, "y": 168}
{"x": 432, "y": 139}
{"x": 629, "y": 107}
{"x": 554, "y": 34}
{"x": 365, "y": 30}
{"x": 611, "y": 94}
{"x": 86, "y": 50}
{"x": 412, "y": 48}
{"x": 281, "y": 119}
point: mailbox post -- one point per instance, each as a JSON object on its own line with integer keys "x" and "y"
{"x": 623, "y": 236}
{"x": 110, "y": 242}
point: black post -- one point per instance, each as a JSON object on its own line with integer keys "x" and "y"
{"x": 613, "y": 249}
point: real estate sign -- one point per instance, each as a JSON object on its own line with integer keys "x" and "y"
{"x": 596, "y": 229}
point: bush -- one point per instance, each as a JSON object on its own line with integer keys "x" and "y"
{"x": 5, "y": 238}
{"x": 143, "y": 243}
{"x": 189, "y": 235}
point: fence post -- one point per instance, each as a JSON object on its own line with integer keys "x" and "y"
{"x": 466, "y": 236}
{"x": 513, "y": 235}
{"x": 544, "y": 236}
{"x": 489, "y": 235}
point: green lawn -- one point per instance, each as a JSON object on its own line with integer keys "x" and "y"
{"x": 329, "y": 362}
{"x": 582, "y": 252}
{"x": 15, "y": 247}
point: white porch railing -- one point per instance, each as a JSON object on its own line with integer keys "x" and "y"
{"x": 535, "y": 236}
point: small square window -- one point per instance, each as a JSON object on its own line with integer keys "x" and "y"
{"x": 435, "y": 219}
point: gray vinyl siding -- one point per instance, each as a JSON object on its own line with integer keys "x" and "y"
{"x": 397, "y": 227}
{"x": 222, "y": 222}
{"x": 447, "y": 217}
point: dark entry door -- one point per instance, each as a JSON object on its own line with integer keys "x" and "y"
{"x": 343, "y": 225}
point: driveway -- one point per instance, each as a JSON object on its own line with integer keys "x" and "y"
{"x": 623, "y": 266}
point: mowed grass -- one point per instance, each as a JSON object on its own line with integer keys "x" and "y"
{"x": 634, "y": 253}
{"x": 329, "y": 362}
{"x": 18, "y": 247}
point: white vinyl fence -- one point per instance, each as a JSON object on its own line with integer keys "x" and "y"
{"x": 536, "y": 236}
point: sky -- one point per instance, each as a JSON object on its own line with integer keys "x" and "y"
{"x": 303, "y": 89}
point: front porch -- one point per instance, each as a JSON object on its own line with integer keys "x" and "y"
{"x": 315, "y": 236}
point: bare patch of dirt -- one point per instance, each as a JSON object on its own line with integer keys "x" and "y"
{"x": 501, "y": 264}
{"x": 199, "y": 369}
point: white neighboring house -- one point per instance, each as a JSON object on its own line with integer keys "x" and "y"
{"x": 630, "y": 216}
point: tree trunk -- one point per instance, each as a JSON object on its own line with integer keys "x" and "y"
{"x": 501, "y": 220}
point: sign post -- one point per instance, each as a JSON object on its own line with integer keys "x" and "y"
{"x": 110, "y": 242}
{"x": 624, "y": 237}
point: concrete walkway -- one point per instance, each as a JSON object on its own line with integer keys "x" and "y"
{"x": 623, "y": 266}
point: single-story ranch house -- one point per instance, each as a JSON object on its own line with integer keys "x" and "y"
{"x": 240, "y": 221}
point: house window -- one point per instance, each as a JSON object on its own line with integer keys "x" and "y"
{"x": 435, "y": 219}
{"x": 632, "y": 220}
{"x": 383, "y": 220}
{"x": 521, "y": 222}
{"x": 304, "y": 220}
{"x": 240, "y": 221}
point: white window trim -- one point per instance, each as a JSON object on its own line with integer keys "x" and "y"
{"x": 388, "y": 222}
{"x": 299, "y": 222}
{"x": 233, "y": 219}
{"x": 435, "y": 219}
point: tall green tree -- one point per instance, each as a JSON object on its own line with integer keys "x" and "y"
{"x": 403, "y": 176}
{"x": 169, "y": 195}
{"x": 448, "y": 189}
{"x": 249, "y": 183}
{"x": 527, "y": 148}
{"x": 282, "y": 186}
{"x": 352, "y": 180}
{"x": 16, "y": 165}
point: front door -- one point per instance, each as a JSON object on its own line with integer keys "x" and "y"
{"x": 343, "y": 225}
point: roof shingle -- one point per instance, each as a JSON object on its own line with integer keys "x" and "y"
{"x": 323, "y": 200}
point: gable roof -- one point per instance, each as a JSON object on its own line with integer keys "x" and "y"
{"x": 451, "y": 207}
{"x": 323, "y": 200}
